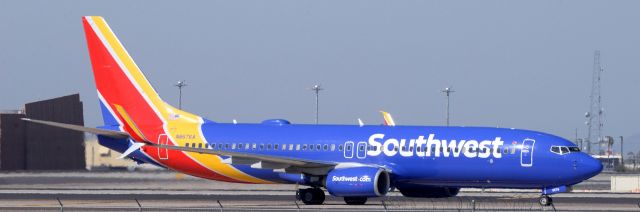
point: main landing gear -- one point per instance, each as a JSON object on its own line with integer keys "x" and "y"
{"x": 545, "y": 200}
{"x": 310, "y": 196}
{"x": 355, "y": 200}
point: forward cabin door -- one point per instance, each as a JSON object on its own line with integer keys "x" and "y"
{"x": 163, "y": 153}
{"x": 526, "y": 153}
{"x": 348, "y": 149}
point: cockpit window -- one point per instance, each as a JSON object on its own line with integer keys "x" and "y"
{"x": 561, "y": 150}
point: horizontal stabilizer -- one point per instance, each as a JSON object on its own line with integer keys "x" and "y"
{"x": 108, "y": 133}
{"x": 135, "y": 146}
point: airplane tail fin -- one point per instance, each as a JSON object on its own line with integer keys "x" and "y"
{"x": 388, "y": 120}
{"x": 127, "y": 98}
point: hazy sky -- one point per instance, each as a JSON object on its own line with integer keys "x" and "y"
{"x": 522, "y": 64}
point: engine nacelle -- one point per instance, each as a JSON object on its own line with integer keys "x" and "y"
{"x": 358, "y": 182}
{"x": 423, "y": 191}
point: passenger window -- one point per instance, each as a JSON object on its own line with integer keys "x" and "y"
{"x": 311, "y": 147}
{"x": 186, "y": 145}
{"x": 318, "y": 146}
{"x": 261, "y": 146}
{"x": 193, "y": 145}
{"x": 505, "y": 150}
{"x": 513, "y": 149}
{"x": 233, "y": 146}
{"x": 239, "y": 146}
{"x": 226, "y": 146}
{"x": 333, "y": 147}
{"x": 304, "y": 147}
{"x": 417, "y": 149}
{"x": 340, "y": 147}
{"x": 395, "y": 148}
{"x": 325, "y": 147}
{"x": 404, "y": 148}
{"x": 298, "y": 147}
{"x": 199, "y": 146}
{"x": 290, "y": 147}
{"x": 253, "y": 146}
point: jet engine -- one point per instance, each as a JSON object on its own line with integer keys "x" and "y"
{"x": 358, "y": 182}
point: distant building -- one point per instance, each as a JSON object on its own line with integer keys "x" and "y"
{"x": 30, "y": 146}
{"x": 99, "y": 157}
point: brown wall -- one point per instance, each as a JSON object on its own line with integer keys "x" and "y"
{"x": 12, "y": 142}
{"x": 31, "y": 146}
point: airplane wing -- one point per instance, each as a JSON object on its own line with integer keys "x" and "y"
{"x": 259, "y": 161}
{"x": 108, "y": 133}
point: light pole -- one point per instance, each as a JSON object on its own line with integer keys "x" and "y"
{"x": 316, "y": 88}
{"x": 622, "y": 151}
{"x": 180, "y": 84}
{"x": 448, "y": 91}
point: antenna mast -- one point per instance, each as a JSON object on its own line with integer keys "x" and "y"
{"x": 595, "y": 116}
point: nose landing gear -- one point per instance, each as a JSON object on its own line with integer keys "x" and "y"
{"x": 545, "y": 200}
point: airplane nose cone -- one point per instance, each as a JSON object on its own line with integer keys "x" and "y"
{"x": 591, "y": 166}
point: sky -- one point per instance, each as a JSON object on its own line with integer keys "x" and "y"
{"x": 520, "y": 64}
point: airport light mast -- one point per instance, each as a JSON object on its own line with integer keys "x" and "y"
{"x": 180, "y": 84}
{"x": 448, "y": 91}
{"x": 316, "y": 88}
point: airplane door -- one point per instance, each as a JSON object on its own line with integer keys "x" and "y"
{"x": 526, "y": 153}
{"x": 362, "y": 150}
{"x": 348, "y": 149}
{"x": 163, "y": 153}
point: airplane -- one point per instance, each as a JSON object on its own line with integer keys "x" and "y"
{"x": 349, "y": 161}
{"x": 388, "y": 119}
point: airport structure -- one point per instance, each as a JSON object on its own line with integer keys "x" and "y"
{"x": 28, "y": 146}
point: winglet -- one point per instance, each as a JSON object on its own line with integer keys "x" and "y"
{"x": 388, "y": 120}
{"x": 360, "y": 122}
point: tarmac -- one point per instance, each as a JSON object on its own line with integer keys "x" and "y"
{"x": 169, "y": 191}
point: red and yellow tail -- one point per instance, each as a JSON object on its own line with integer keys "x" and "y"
{"x": 123, "y": 89}
{"x": 129, "y": 102}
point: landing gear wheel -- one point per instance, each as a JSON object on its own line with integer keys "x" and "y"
{"x": 311, "y": 196}
{"x": 355, "y": 200}
{"x": 545, "y": 200}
